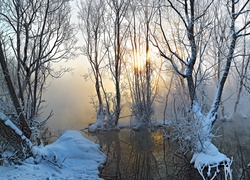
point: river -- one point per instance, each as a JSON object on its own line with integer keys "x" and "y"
{"x": 146, "y": 155}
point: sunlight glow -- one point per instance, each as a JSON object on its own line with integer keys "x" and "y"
{"x": 139, "y": 60}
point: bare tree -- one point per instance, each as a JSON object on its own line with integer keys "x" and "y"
{"x": 141, "y": 88}
{"x": 242, "y": 63}
{"x": 191, "y": 18}
{"x": 115, "y": 42}
{"x": 39, "y": 34}
{"x": 235, "y": 11}
{"x": 23, "y": 122}
{"x": 92, "y": 17}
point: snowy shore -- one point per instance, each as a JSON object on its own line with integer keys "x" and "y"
{"x": 71, "y": 157}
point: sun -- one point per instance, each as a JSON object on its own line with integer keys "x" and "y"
{"x": 139, "y": 60}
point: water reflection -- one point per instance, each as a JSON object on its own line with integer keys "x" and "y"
{"x": 145, "y": 155}
{"x": 234, "y": 142}
{"x": 142, "y": 155}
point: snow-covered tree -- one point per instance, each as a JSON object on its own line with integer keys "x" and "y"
{"x": 142, "y": 90}
{"x": 35, "y": 34}
{"x": 92, "y": 20}
{"x": 115, "y": 43}
{"x": 195, "y": 22}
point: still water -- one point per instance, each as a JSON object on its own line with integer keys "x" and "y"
{"x": 142, "y": 155}
{"x": 146, "y": 155}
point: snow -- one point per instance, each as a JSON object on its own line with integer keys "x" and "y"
{"x": 99, "y": 124}
{"x": 206, "y": 158}
{"x": 94, "y": 127}
{"x": 3, "y": 117}
{"x": 7, "y": 122}
{"x": 10, "y": 124}
{"x": 209, "y": 157}
{"x": 196, "y": 109}
{"x": 71, "y": 157}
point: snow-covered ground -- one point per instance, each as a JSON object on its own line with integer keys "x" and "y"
{"x": 71, "y": 157}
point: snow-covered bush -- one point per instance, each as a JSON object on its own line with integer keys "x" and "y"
{"x": 142, "y": 114}
{"x": 192, "y": 130}
{"x": 105, "y": 113}
{"x": 186, "y": 130}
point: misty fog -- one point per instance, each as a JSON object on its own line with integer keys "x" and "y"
{"x": 69, "y": 97}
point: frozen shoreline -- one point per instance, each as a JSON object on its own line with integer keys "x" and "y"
{"x": 70, "y": 157}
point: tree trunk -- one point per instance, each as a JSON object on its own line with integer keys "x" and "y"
{"x": 24, "y": 126}
{"x": 148, "y": 75}
{"x": 243, "y": 75}
{"x": 215, "y": 106}
{"x": 117, "y": 68}
{"x": 15, "y": 138}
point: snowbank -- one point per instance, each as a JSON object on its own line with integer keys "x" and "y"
{"x": 210, "y": 158}
{"x": 71, "y": 157}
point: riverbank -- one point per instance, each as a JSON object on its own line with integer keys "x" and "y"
{"x": 70, "y": 157}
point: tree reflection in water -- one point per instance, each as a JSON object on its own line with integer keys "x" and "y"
{"x": 145, "y": 155}
{"x": 142, "y": 155}
{"x": 235, "y": 143}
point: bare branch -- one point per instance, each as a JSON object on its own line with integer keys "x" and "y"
{"x": 178, "y": 12}
{"x": 243, "y": 28}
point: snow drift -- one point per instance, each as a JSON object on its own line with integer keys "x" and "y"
{"x": 70, "y": 157}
